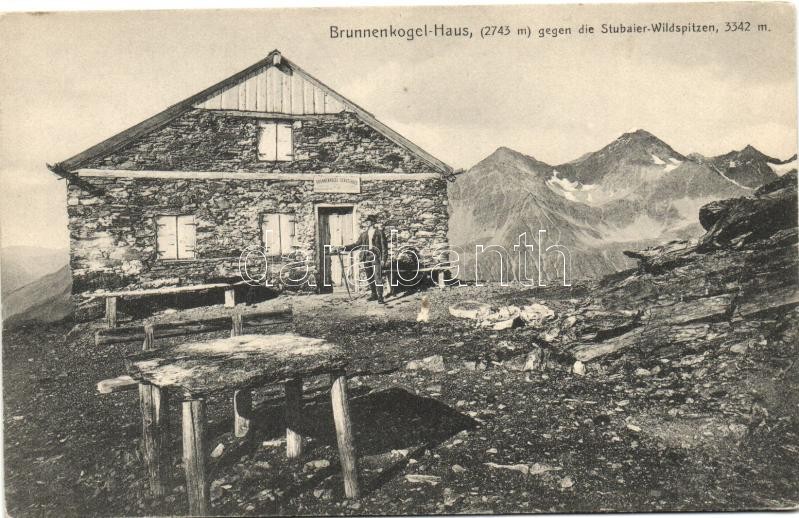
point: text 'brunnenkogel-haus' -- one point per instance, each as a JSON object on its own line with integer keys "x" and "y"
{"x": 269, "y": 158}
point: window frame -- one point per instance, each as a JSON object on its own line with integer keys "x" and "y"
{"x": 277, "y": 123}
{"x": 262, "y": 219}
{"x": 175, "y": 217}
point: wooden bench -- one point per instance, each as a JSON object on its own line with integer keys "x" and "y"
{"x": 111, "y": 297}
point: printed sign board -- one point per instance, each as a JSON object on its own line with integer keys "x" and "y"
{"x": 341, "y": 183}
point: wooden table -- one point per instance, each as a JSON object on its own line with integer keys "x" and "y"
{"x": 192, "y": 371}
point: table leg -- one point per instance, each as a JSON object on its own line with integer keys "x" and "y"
{"x": 155, "y": 430}
{"x": 230, "y": 297}
{"x": 242, "y": 412}
{"x": 111, "y": 312}
{"x": 194, "y": 456}
{"x": 346, "y": 446}
{"x": 293, "y": 418}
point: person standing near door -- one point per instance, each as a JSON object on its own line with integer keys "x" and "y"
{"x": 373, "y": 248}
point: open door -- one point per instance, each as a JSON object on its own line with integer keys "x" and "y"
{"x": 335, "y": 228}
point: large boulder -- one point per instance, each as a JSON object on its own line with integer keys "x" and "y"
{"x": 485, "y": 315}
{"x": 536, "y": 314}
{"x": 770, "y": 209}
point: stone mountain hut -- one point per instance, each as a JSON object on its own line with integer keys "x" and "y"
{"x": 269, "y": 159}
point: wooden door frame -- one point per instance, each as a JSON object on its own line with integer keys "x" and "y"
{"x": 319, "y": 255}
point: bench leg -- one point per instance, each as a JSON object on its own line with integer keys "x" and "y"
{"x": 194, "y": 457}
{"x": 230, "y": 298}
{"x": 155, "y": 429}
{"x": 346, "y": 446}
{"x": 293, "y": 418}
{"x": 111, "y": 312}
{"x": 242, "y": 412}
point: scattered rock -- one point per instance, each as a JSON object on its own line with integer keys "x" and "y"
{"x": 536, "y": 360}
{"x": 633, "y": 427}
{"x": 216, "y": 489}
{"x": 536, "y": 314}
{"x": 470, "y": 309}
{"x": 504, "y": 324}
{"x": 316, "y": 464}
{"x": 424, "y": 310}
{"x": 220, "y": 448}
{"x": 641, "y": 373}
{"x": 579, "y": 368}
{"x": 399, "y": 454}
{"x": 423, "y": 479}
{"x": 566, "y": 482}
{"x": 521, "y": 468}
{"x": 739, "y": 348}
{"x": 485, "y": 315}
{"x": 323, "y": 494}
{"x": 433, "y": 363}
{"x": 457, "y": 468}
{"x": 540, "y": 469}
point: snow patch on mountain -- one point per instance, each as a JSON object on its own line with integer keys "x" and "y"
{"x": 781, "y": 169}
{"x": 656, "y": 159}
{"x": 563, "y": 183}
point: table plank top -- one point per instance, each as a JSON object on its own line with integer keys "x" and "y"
{"x": 199, "y": 368}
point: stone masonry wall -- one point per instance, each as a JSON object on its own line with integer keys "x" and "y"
{"x": 207, "y": 140}
{"x": 113, "y": 237}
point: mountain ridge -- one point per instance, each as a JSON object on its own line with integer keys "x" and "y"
{"x": 636, "y": 191}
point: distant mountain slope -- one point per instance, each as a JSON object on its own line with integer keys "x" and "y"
{"x": 506, "y": 195}
{"x": 46, "y": 299}
{"x": 635, "y": 192}
{"x": 21, "y": 265}
{"x": 749, "y": 167}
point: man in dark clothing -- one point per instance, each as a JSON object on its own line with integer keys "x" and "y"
{"x": 372, "y": 246}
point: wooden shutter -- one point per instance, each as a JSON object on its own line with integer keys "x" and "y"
{"x": 267, "y": 141}
{"x": 187, "y": 234}
{"x": 285, "y": 144}
{"x": 270, "y": 233}
{"x": 286, "y": 233}
{"x": 166, "y": 237}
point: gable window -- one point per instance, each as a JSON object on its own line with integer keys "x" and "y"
{"x": 277, "y": 233}
{"x": 176, "y": 237}
{"x": 275, "y": 141}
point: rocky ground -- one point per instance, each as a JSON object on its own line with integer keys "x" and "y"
{"x": 673, "y": 387}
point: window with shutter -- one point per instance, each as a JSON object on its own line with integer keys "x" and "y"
{"x": 277, "y": 233}
{"x": 275, "y": 142}
{"x": 176, "y": 237}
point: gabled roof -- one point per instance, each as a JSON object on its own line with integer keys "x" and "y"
{"x": 275, "y": 59}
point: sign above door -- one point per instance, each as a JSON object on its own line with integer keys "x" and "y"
{"x": 339, "y": 183}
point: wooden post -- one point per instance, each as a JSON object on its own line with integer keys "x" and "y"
{"x": 293, "y": 418}
{"x": 230, "y": 297}
{"x": 242, "y": 399}
{"x": 194, "y": 457}
{"x": 111, "y": 311}
{"x": 242, "y": 412}
{"x": 155, "y": 435}
{"x": 442, "y": 281}
{"x": 346, "y": 446}
{"x": 149, "y": 339}
{"x": 238, "y": 325}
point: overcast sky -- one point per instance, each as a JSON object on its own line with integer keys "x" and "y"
{"x": 71, "y": 80}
